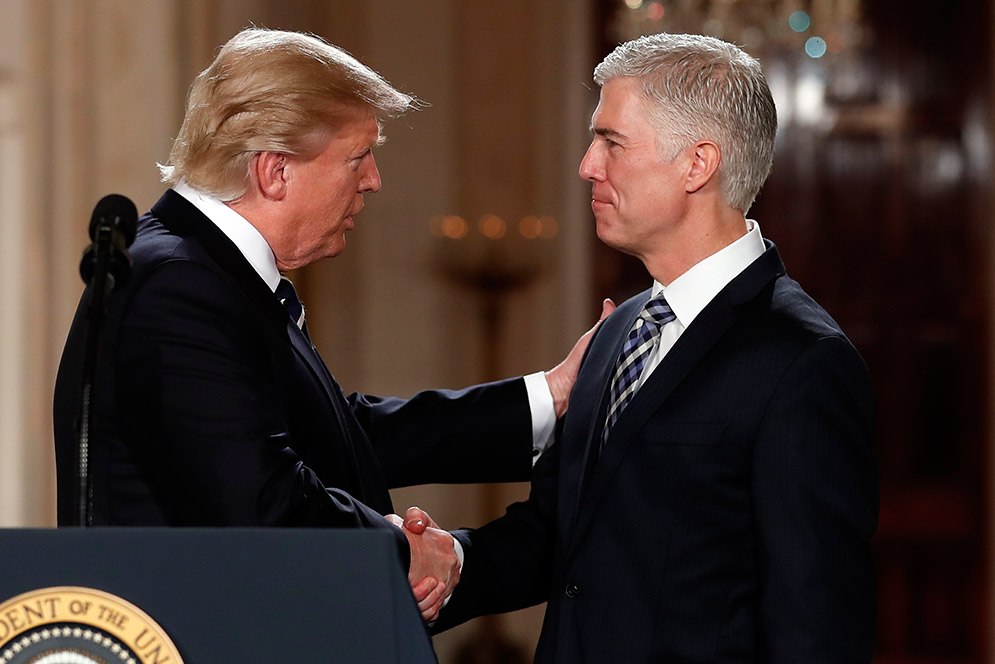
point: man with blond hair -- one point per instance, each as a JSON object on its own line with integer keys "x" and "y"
{"x": 211, "y": 406}
{"x": 711, "y": 494}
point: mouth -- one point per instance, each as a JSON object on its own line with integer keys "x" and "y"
{"x": 598, "y": 204}
{"x": 349, "y": 221}
{"x": 600, "y": 200}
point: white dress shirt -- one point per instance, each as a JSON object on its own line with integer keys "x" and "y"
{"x": 691, "y": 292}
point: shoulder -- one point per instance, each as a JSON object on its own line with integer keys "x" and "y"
{"x": 795, "y": 311}
{"x": 782, "y": 327}
{"x": 155, "y": 244}
{"x": 170, "y": 269}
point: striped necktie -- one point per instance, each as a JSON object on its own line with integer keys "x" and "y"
{"x": 637, "y": 348}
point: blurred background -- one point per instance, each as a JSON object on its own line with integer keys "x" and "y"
{"x": 479, "y": 260}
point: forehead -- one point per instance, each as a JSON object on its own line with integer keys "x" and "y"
{"x": 622, "y": 107}
{"x": 357, "y": 126}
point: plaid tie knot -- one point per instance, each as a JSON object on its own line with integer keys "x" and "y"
{"x": 657, "y": 312}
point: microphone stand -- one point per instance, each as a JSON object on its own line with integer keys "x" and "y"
{"x": 105, "y": 264}
{"x": 99, "y": 287}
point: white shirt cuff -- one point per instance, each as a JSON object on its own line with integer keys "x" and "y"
{"x": 543, "y": 412}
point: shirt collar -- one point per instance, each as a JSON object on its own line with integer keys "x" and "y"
{"x": 246, "y": 238}
{"x": 691, "y": 292}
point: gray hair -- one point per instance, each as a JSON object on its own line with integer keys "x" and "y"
{"x": 270, "y": 91}
{"x": 698, "y": 88}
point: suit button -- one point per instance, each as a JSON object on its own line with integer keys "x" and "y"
{"x": 571, "y": 590}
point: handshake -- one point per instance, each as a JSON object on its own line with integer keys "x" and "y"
{"x": 434, "y": 569}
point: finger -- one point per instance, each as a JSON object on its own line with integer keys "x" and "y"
{"x": 432, "y": 614}
{"x": 432, "y": 604}
{"x": 424, "y": 589}
{"x": 395, "y": 519}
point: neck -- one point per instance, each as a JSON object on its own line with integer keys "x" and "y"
{"x": 257, "y": 215}
{"x": 694, "y": 241}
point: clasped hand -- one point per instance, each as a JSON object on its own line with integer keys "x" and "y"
{"x": 434, "y": 568}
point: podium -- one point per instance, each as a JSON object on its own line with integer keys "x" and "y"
{"x": 219, "y": 595}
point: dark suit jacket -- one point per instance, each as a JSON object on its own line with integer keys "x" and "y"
{"x": 212, "y": 408}
{"x": 728, "y": 517}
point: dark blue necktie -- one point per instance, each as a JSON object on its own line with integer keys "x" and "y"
{"x": 288, "y": 298}
{"x": 636, "y": 350}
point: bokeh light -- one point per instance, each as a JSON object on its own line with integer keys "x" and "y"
{"x": 815, "y": 47}
{"x": 654, "y": 11}
{"x": 633, "y": 4}
{"x": 492, "y": 226}
{"x": 530, "y": 227}
{"x": 799, "y": 21}
{"x": 454, "y": 227}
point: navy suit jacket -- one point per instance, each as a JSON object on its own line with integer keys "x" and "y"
{"x": 728, "y": 517}
{"x": 212, "y": 408}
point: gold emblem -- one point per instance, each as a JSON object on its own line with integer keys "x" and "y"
{"x": 72, "y": 625}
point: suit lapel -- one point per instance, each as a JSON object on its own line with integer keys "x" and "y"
{"x": 588, "y": 398}
{"x": 309, "y": 355}
{"x": 181, "y": 217}
{"x": 698, "y": 339}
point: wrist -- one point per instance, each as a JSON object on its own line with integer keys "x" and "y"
{"x": 558, "y": 391}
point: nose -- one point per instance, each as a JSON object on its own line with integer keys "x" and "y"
{"x": 590, "y": 166}
{"x": 370, "y": 182}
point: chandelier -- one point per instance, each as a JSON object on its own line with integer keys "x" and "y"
{"x": 816, "y": 28}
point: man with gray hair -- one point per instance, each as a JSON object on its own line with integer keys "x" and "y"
{"x": 711, "y": 493}
{"x": 211, "y": 405}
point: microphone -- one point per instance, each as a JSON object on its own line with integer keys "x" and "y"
{"x": 112, "y": 230}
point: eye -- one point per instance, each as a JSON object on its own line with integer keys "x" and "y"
{"x": 357, "y": 161}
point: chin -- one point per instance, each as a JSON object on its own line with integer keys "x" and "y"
{"x": 606, "y": 234}
{"x": 336, "y": 248}
{"x": 613, "y": 241}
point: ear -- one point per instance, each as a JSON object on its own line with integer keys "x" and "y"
{"x": 269, "y": 171}
{"x": 705, "y": 158}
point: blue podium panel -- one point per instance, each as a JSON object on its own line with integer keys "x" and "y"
{"x": 219, "y": 595}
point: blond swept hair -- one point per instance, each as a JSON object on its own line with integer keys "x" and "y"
{"x": 270, "y": 91}
{"x": 699, "y": 87}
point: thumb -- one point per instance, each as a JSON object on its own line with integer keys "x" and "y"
{"x": 607, "y": 307}
{"x": 417, "y": 520}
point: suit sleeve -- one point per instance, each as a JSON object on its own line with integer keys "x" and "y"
{"x": 195, "y": 386}
{"x": 509, "y": 561}
{"x": 479, "y": 434}
{"x": 816, "y": 501}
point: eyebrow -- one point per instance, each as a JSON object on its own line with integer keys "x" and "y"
{"x": 606, "y": 132}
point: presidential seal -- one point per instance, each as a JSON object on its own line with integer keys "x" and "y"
{"x": 71, "y": 625}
